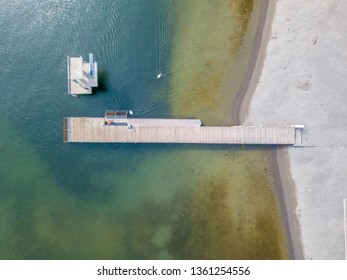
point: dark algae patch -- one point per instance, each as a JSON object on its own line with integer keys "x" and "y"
{"x": 227, "y": 217}
{"x": 242, "y": 11}
{"x": 208, "y": 41}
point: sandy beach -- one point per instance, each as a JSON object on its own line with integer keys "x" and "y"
{"x": 298, "y": 78}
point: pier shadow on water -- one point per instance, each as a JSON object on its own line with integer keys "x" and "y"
{"x": 102, "y": 82}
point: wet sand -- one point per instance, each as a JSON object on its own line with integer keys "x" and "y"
{"x": 284, "y": 184}
{"x": 244, "y": 95}
{"x": 287, "y": 195}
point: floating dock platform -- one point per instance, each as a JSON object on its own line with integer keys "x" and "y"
{"x": 82, "y": 76}
{"x": 133, "y": 130}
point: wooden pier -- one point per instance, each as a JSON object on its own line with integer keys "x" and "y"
{"x": 133, "y": 130}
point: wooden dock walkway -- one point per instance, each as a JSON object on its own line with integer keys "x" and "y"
{"x": 132, "y": 130}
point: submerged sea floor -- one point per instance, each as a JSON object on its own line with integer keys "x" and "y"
{"x": 178, "y": 204}
{"x": 90, "y": 201}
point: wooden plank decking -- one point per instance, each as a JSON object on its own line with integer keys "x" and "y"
{"x": 173, "y": 131}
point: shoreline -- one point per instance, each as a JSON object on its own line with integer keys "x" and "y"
{"x": 284, "y": 184}
{"x": 250, "y": 80}
{"x": 286, "y": 193}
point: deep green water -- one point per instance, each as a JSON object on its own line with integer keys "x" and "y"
{"x": 90, "y": 201}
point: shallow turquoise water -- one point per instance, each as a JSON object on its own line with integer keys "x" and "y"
{"x": 90, "y": 201}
